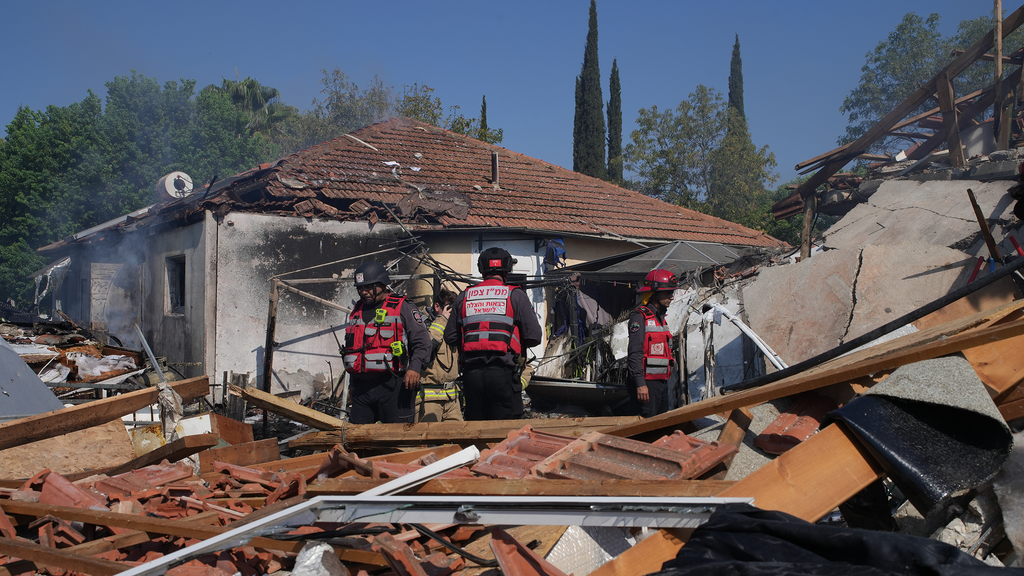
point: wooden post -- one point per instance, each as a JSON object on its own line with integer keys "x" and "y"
{"x": 268, "y": 347}
{"x": 1003, "y": 111}
{"x": 810, "y": 205}
{"x": 944, "y": 86}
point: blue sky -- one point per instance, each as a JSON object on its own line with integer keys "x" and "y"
{"x": 800, "y": 58}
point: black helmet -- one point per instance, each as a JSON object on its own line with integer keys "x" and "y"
{"x": 371, "y": 273}
{"x": 495, "y": 260}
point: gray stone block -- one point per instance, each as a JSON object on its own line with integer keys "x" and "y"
{"x": 1002, "y": 170}
{"x": 930, "y": 176}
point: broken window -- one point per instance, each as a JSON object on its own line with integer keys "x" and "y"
{"x": 175, "y": 301}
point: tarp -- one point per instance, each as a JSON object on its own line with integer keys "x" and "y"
{"x": 679, "y": 256}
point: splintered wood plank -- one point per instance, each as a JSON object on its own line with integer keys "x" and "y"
{"x": 530, "y": 487}
{"x": 547, "y": 536}
{"x": 65, "y": 420}
{"x": 934, "y": 342}
{"x": 814, "y": 477}
{"x": 180, "y": 448}
{"x": 241, "y": 454}
{"x": 292, "y": 410}
{"x": 89, "y": 450}
{"x": 646, "y": 557}
{"x": 63, "y": 559}
{"x": 999, "y": 365}
{"x": 372, "y": 435}
{"x": 141, "y": 523}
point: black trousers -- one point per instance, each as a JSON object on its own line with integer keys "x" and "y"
{"x": 658, "y": 403}
{"x": 492, "y": 393}
{"x": 381, "y": 398}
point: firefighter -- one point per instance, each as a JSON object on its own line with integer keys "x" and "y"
{"x": 437, "y": 400}
{"x": 492, "y": 325}
{"x": 650, "y": 345}
{"x": 386, "y": 348}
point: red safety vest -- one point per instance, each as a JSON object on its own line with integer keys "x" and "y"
{"x": 487, "y": 320}
{"x": 368, "y": 344}
{"x": 657, "y": 346}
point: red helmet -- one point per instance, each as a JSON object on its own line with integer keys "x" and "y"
{"x": 659, "y": 279}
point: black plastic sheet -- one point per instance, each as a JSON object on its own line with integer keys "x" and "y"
{"x": 740, "y": 539}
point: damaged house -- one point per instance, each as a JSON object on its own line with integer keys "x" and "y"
{"x": 195, "y": 270}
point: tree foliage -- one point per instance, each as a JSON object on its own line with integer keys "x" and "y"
{"x": 261, "y": 104}
{"x": 69, "y": 168}
{"x": 670, "y": 151}
{"x": 589, "y": 132}
{"x": 739, "y": 173}
{"x": 736, "y": 79}
{"x": 615, "y": 126}
{"x": 345, "y": 107}
{"x": 911, "y": 55}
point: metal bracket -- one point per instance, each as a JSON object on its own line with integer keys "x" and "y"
{"x": 466, "y": 514}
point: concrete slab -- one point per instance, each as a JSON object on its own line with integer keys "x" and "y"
{"x": 802, "y": 310}
{"x": 897, "y": 279}
{"x": 937, "y": 212}
{"x": 808, "y": 308}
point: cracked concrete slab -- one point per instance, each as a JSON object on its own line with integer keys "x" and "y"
{"x": 937, "y": 212}
{"x": 802, "y": 310}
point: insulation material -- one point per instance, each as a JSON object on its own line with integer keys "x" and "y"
{"x": 934, "y": 428}
{"x": 318, "y": 559}
{"x": 583, "y": 549}
{"x": 90, "y": 366}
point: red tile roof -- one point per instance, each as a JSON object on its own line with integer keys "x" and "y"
{"x": 532, "y": 194}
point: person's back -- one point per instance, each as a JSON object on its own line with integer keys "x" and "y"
{"x": 492, "y": 324}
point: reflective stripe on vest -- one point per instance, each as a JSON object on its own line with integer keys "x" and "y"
{"x": 431, "y": 394}
{"x": 487, "y": 320}
{"x": 368, "y": 344}
{"x": 657, "y": 346}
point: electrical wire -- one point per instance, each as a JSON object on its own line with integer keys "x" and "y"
{"x": 461, "y": 552}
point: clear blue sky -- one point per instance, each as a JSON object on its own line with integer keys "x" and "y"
{"x": 800, "y": 58}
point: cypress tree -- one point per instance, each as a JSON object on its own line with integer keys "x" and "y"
{"x": 577, "y": 117}
{"x": 483, "y": 119}
{"x": 736, "y": 80}
{"x": 589, "y": 130}
{"x": 614, "y": 126}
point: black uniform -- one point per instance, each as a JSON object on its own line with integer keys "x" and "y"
{"x": 490, "y": 381}
{"x": 383, "y": 396}
{"x": 657, "y": 389}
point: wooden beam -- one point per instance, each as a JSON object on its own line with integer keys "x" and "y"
{"x": 645, "y": 558}
{"x": 142, "y": 523}
{"x": 180, "y": 448}
{"x": 529, "y": 487}
{"x": 939, "y": 341}
{"x": 287, "y": 408}
{"x": 810, "y": 203}
{"x": 46, "y": 556}
{"x": 245, "y": 454}
{"x": 58, "y": 422}
{"x": 944, "y": 86}
{"x": 375, "y": 435}
{"x": 813, "y": 478}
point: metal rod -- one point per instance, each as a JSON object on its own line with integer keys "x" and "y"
{"x": 149, "y": 353}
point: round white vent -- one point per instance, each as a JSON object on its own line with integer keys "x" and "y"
{"x": 174, "y": 186}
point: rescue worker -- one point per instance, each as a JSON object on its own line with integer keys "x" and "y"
{"x": 437, "y": 400}
{"x": 650, "y": 345}
{"x": 492, "y": 325}
{"x": 386, "y": 348}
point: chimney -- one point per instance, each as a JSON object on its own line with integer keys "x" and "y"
{"x": 494, "y": 168}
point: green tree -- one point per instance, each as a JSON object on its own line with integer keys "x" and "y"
{"x": 615, "y": 126}
{"x": 588, "y": 142}
{"x": 670, "y": 151}
{"x": 261, "y": 104}
{"x": 736, "y": 79}
{"x": 739, "y": 172}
